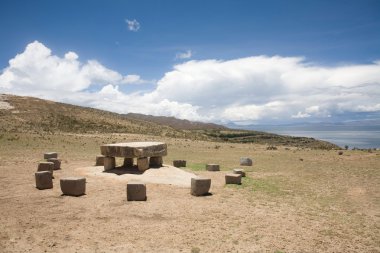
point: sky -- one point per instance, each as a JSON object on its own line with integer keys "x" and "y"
{"x": 243, "y": 62}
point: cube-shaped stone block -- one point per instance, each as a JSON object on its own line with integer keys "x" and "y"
{"x": 155, "y": 161}
{"x": 239, "y": 171}
{"x": 99, "y": 160}
{"x": 56, "y": 161}
{"x": 128, "y": 162}
{"x": 200, "y": 186}
{"x": 142, "y": 163}
{"x": 233, "y": 178}
{"x": 50, "y": 155}
{"x": 73, "y": 186}
{"x": 44, "y": 180}
{"x": 136, "y": 191}
{"x": 46, "y": 166}
{"x": 212, "y": 167}
{"x": 245, "y": 161}
{"x": 109, "y": 163}
{"x": 179, "y": 163}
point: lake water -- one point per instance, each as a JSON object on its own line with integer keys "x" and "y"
{"x": 359, "y": 139}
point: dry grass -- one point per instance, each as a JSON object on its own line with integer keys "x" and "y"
{"x": 293, "y": 200}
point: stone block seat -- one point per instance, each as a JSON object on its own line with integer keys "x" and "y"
{"x": 213, "y": 167}
{"x": 142, "y": 151}
{"x": 46, "y": 166}
{"x": 73, "y": 186}
{"x": 245, "y": 161}
{"x": 136, "y": 191}
{"x": 99, "y": 160}
{"x": 200, "y": 186}
{"x": 239, "y": 171}
{"x": 50, "y": 155}
{"x": 44, "y": 180}
{"x": 233, "y": 178}
{"x": 56, "y": 161}
{"x": 179, "y": 163}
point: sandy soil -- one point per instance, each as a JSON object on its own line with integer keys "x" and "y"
{"x": 324, "y": 203}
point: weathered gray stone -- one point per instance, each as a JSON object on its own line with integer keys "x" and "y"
{"x": 50, "y": 155}
{"x": 136, "y": 191}
{"x": 44, "y": 180}
{"x": 239, "y": 171}
{"x": 233, "y": 178}
{"x": 46, "y": 166}
{"x": 134, "y": 149}
{"x": 155, "y": 161}
{"x": 179, "y": 163}
{"x": 99, "y": 160}
{"x": 128, "y": 162}
{"x": 245, "y": 161}
{"x": 212, "y": 167}
{"x": 109, "y": 163}
{"x": 73, "y": 186}
{"x": 200, "y": 186}
{"x": 142, "y": 163}
{"x": 56, "y": 161}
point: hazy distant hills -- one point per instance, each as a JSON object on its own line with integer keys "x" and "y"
{"x": 175, "y": 123}
{"x": 33, "y": 115}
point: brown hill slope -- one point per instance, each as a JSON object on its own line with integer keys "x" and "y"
{"x": 33, "y": 115}
{"x": 180, "y": 124}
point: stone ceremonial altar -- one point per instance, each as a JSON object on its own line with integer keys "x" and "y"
{"x": 148, "y": 154}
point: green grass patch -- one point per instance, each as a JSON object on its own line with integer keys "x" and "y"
{"x": 270, "y": 185}
{"x": 196, "y": 166}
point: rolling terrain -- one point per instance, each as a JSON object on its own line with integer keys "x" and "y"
{"x": 34, "y": 115}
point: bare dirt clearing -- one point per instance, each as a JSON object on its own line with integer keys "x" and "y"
{"x": 292, "y": 200}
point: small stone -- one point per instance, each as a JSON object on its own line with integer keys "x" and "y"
{"x": 56, "y": 161}
{"x": 245, "y": 161}
{"x": 50, "y": 155}
{"x": 143, "y": 163}
{"x": 73, "y": 186}
{"x": 155, "y": 161}
{"x": 136, "y": 191}
{"x": 44, "y": 180}
{"x": 109, "y": 163}
{"x": 213, "y": 167}
{"x": 128, "y": 162}
{"x": 46, "y": 166}
{"x": 239, "y": 171}
{"x": 179, "y": 163}
{"x": 233, "y": 178}
{"x": 200, "y": 186}
{"x": 340, "y": 153}
{"x": 99, "y": 160}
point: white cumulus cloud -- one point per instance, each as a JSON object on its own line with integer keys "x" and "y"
{"x": 251, "y": 89}
{"x": 133, "y": 25}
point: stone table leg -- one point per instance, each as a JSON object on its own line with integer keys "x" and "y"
{"x": 155, "y": 161}
{"x": 143, "y": 163}
{"x": 128, "y": 162}
{"x": 109, "y": 163}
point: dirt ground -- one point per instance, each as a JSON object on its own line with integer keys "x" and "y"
{"x": 292, "y": 200}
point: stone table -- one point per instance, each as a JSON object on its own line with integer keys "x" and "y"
{"x": 130, "y": 150}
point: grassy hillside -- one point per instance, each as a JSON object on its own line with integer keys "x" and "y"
{"x": 33, "y": 115}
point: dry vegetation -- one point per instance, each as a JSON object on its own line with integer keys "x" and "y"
{"x": 293, "y": 200}
{"x": 300, "y": 195}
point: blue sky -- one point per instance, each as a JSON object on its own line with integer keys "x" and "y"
{"x": 216, "y": 40}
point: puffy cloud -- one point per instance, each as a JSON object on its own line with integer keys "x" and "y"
{"x": 133, "y": 25}
{"x": 184, "y": 55}
{"x": 253, "y": 89}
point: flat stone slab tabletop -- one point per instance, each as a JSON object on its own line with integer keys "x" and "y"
{"x": 134, "y": 149}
